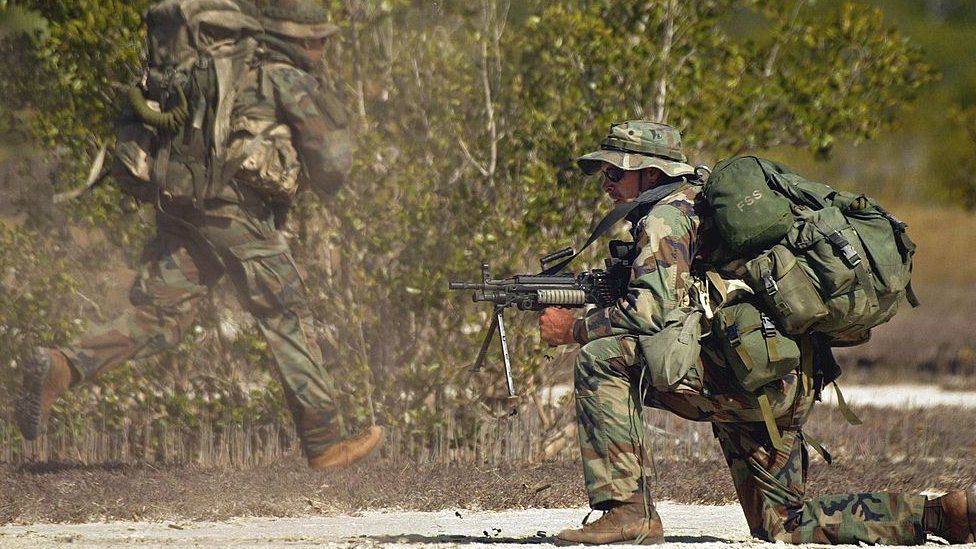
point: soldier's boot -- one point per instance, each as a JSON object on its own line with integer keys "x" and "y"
{"x": 346, "y": 452}
{"x": 46, "y": 375}
{"x": 625, "y": 523}
{"x": 952, "y": 516}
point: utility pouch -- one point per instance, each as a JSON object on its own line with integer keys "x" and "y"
{"x": 265, "y": 159}
{"x": 671, "y": 352}
{"x": 752, "y": 346}
{"x": 787, "y": 290}
{"x": 134, "y": 160}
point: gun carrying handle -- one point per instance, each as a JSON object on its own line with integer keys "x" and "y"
{"x": 565, "y": 252}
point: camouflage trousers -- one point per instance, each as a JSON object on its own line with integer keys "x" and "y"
{"x": 611, "y": 386}
{"x": 190, "y": 253}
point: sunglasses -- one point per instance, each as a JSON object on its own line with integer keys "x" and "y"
{"x": 313, "y": 43}
{"x": 614, "y": 174}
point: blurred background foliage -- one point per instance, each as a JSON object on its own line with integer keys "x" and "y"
{"x": 467, "y": 118}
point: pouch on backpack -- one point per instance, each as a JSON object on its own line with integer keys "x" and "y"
{"x": 749, "y": 216}
{"x": 750, "y": 344}
{"x": 671, "y": 352}
{"x": 787, "y": 290}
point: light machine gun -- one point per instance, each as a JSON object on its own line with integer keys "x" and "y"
{"x": 536, "y": 292}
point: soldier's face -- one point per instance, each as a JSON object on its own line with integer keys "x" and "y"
{"x": 630, "y": 183}
{"x": 314, "y": 49}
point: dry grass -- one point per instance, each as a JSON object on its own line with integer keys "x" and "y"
{"x": 935, "y": 343}
{"x": 893, "y": 451}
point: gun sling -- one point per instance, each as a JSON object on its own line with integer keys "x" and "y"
{"x": 650, "y": 196}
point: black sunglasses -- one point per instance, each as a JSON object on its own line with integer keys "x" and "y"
{"x": 614, "y": 174}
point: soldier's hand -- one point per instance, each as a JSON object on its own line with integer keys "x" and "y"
{"x": 556, "y": 326}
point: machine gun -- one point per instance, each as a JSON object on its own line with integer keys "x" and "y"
{"x": 536, "y": 292}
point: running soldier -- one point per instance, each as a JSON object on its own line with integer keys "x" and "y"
{"x": 220, "y": 152}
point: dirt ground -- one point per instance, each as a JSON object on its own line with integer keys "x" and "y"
{"x": 914, "y": 450}
{"x": 66, "y": 493}
{"x": 395, "y": 503}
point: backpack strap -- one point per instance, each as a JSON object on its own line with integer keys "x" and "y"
{"x": 845, "y": 410}
{"x": 766, "y": 409}
{"x": 769, "y": 336}
{"x": 817, "y": 447}
{"x": 806, "y": 363}
{"x": 771, "y": 288}
{"x": 911, "y": 296}
{"x": 650, "y": 196}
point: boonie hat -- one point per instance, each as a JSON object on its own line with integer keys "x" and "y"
{"x": 302, "y": 19}
{"x": 639, "y": 144}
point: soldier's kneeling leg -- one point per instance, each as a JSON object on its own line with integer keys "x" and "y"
{"x": 608, "y": 414}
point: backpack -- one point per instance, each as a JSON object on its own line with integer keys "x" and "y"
{"x": 175, "y": 139}
{"x": 819, "y": 261}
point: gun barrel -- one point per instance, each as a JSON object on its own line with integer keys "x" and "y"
{"x": 465, "y": 286}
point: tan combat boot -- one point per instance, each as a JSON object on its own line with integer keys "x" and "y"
{"x": 625, "y": 523}
{"x": 46, "y": 375}
{"x": 346, "y": 452}
{"x": 952, "y": 516}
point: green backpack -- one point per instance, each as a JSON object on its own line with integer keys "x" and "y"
{"x": 819, "y": 260}
{"x": 175, "y": 136}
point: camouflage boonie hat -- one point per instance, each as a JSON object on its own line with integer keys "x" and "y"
{"x": 296, "y": 19}
{"x": 639, "y": 144}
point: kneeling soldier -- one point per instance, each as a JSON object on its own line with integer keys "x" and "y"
{"x": 613, "y": 382}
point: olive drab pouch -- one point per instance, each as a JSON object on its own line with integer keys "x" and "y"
{"x": 745, "y": 340}
{"x": 748, "y": 342}
{"x": 787, "y": 289}
{"x": 841, "y": 266}
{"x": 675, "y": 349}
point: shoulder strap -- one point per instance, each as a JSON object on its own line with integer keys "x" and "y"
{"x": 650, "y": 196}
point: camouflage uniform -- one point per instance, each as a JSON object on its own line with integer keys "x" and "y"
{"x": 282, "y": 138}
{"x": 612, "y": 383}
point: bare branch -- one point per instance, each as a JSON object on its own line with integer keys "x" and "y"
{"x": 467, "y": 154}
{"x": 667, "y": 41}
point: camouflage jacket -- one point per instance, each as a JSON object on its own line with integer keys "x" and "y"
{"x": 669, "y": 238}
{"x": 282, "y": 112}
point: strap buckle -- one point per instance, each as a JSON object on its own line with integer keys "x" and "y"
{"x": 732, "y": 333}
{"x": 845, "y": 247}
{"x": 769, "y": 284}
{"x": 768, "y": 327}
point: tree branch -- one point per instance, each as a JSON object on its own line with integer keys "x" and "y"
{"x": 661, "y": 95}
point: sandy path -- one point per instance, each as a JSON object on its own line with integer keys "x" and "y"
{"x": 699, "y": 526}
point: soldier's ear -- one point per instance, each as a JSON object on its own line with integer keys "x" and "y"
{"x": 653, "y": 175}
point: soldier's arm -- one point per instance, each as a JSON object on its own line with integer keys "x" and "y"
{"x": 662, "y": 275}
{"x": 319, "y": 129}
